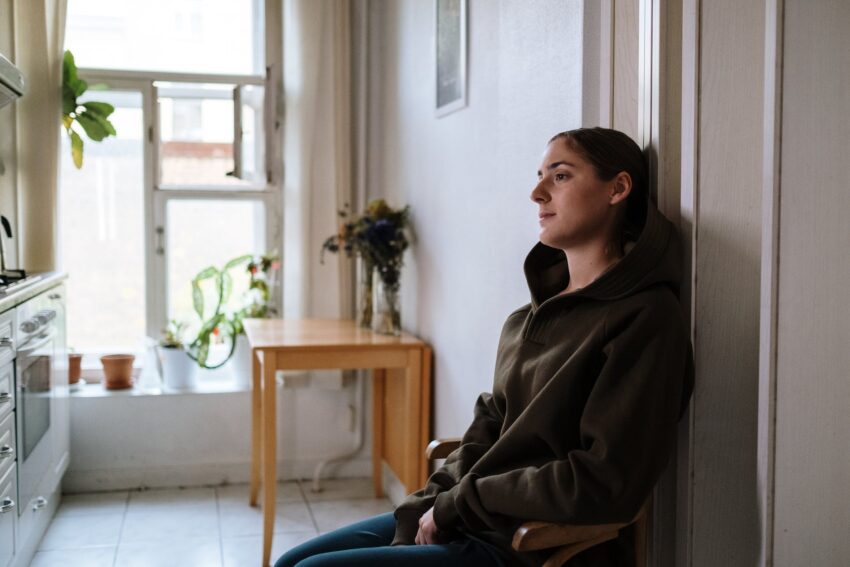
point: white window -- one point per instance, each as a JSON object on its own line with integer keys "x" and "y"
{"x": 102, "y": 233}
{"x": 182, "y": 36}
{"x": 184, "y": 185}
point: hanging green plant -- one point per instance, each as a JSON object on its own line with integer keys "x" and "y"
{"x": 220, "y": 322}
{"x": 218, "y": 326}
{"x": 91, "y": 116}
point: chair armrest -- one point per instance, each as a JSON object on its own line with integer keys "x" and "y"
{"x": 543, "y": 535}
{"x": 532, "y": 536}
{"x": 570, "y": 539}
{"x": 441, "y": 448}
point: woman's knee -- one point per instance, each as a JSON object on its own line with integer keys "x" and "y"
{"x": 286, "y": 560}
{"x": 372, "y": 532}
{"x": 293, "y": 557}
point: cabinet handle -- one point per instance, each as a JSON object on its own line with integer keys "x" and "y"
{"x": 7, "y": 342}
{"x": 54, "y": 296}
{"x": 7, "y": 506}
{"x": 6, "y": 452}
{"x": 39, "y": 503}
{"x": 5, "y": 397}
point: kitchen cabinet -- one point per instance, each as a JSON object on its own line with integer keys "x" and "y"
{"x": 34, "y": 413}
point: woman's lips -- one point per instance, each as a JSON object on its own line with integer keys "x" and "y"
{"x": 544, "y": 216}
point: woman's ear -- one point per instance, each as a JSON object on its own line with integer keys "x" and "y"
{"x": 621, "y": 187}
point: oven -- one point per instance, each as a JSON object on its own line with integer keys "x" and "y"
{"x": 37, "y": 335}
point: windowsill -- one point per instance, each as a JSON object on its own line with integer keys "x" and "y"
{"x": 97, "y": 390}
{"x": 224, "y": 380}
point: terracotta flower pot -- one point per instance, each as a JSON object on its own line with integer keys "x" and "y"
{"x": 118, "y": 371}
{"x": 74, "y": 368}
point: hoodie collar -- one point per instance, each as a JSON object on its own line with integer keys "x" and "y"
{"x": 654, "y": 258}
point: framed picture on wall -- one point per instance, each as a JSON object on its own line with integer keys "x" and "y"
{"x": 451, "y": 56}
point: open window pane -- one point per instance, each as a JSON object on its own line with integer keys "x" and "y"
{"x": 196, "y": 124}
{"x": 251, "y": 158}
{"x": 202, "y": 233}
{"x": 189, "y": 36}
{"x": 101, "y": 233}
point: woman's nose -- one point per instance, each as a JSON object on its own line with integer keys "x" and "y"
{"x": 538, "y": 195}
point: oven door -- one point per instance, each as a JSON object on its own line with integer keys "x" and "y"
{"x": 34, "y": 397}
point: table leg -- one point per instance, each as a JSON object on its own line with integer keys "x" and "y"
{"x": 256, "y": 421}
{"x": 413, "y": 398}
{"x": 378, "y": 378}
{"x": 425, "y": 415}
{"x": 269, "y": 451}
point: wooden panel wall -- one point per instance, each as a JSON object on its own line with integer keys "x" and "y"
{"x": 625, "y": 84}
{"x": 726, "y": 63}
{"x": 812, "y": 452}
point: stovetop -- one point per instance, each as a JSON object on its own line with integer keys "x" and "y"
{"x": 14, "y": 280}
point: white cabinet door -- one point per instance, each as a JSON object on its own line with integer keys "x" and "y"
{"x": 59, "y": 411}
{"x": 8, "y": 514}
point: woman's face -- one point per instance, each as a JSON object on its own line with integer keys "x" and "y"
{"x": 575, "y": 206}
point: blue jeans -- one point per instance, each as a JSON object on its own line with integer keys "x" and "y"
{"x": 367, "y": 543}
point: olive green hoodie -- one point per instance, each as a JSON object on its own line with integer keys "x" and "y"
{"x": 587, "y": 392}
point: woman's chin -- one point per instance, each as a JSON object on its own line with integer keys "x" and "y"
{"x": 547, "y": 238}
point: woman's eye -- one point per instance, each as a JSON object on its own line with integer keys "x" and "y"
{"x": 560, "y": 176}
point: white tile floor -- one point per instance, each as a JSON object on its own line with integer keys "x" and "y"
{"x": 203, "y": 527}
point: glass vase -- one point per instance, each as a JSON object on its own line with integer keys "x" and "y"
{"x": 365, "y": 294}
{"x": 386, "y": 319}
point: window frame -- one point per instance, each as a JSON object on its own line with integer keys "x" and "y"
{"x": 156, "y": 196}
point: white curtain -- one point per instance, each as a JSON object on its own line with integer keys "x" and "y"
{"x": 317, "y": 155}
{"x": 39, "y": 29}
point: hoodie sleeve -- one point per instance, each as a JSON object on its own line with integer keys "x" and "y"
{"x": 479, "y": 437}
{"x": 627, "y": 432}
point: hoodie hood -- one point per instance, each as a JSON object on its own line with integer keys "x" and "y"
{"x": 655, "y": 258}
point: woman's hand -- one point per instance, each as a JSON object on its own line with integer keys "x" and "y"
{"x": 428, "y": 532}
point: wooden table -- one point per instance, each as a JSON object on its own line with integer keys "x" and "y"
{"x": 401, "y": 400}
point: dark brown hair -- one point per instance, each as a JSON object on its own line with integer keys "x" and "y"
{"x": 610, "y": 152}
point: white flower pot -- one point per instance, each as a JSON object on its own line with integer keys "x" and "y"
{"x": 178, "y": 370}
{"x": 240, "y": 363}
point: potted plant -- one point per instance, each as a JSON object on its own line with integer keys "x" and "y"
{"x": 221, "y": 337}
{"x": 256, "y": 305}
{"x": 117, "y": 371}
{"x": 75, "y": 368}
{"x": 178, "y": 369}
{"x": 216, "y": 327}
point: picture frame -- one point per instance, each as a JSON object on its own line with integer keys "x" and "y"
{"x": 451, "y": 59}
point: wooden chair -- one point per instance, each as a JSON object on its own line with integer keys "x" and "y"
{"x": 566, "y": 540}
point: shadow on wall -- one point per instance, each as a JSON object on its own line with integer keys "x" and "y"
{"x": 727, "y": 349}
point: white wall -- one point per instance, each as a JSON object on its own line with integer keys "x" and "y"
{"x": 131, "y": 440}
{"x": 468, "y": 175}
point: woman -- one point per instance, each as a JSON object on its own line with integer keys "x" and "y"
{"x": 591, "y": 378}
